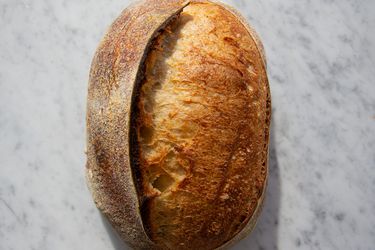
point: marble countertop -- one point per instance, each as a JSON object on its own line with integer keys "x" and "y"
{"x": 321, "y": 61}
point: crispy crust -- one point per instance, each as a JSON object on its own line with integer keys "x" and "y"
{"x": 114, "y": 173}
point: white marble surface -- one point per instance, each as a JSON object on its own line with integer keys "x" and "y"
{"x": 321, "y": 58}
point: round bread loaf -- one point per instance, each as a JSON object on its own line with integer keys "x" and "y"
{"x": 178, "y": 118}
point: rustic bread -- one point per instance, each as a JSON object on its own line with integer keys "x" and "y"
{"x": 178, "y": 125}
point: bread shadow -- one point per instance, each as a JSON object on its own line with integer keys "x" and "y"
{"x": 117, "y": 242}
{"x": 265, "y": 233}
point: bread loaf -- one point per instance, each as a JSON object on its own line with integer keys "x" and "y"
{"x": 178, "y": 117}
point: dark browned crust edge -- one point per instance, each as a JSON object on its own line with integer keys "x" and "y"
{"x": 253, "y": 34}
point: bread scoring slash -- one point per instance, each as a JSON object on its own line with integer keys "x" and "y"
{"x": 178, "y": 118}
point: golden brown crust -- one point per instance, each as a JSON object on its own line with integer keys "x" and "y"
{"x": 223, "y": 155}
{"x": 202, "y": 130}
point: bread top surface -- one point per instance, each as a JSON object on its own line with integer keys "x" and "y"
{"x": 201, "y": 123}
{"x": 219, "y": 149}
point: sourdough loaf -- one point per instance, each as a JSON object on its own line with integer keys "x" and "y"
{"x": 178, "y": 122}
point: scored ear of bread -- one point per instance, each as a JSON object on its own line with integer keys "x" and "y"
{"x": 114, "y": 73}
{"x": 178, "y": 125}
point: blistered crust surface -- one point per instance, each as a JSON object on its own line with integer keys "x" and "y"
{"x": 202, "y": 129}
